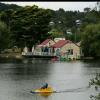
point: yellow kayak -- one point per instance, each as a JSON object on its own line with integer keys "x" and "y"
{"x": 46, "y": 90}
{"x": 43, "y": 92}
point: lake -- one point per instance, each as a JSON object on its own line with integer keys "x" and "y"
{"x": 71, "y": 79}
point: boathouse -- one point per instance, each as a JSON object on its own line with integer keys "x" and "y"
{"x": 67, "y": 49}
{"x": 44, "y": 47}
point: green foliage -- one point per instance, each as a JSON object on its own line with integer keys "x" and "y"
{"x": 55, "y": 33}
{"x": 28, "y": 25}
{"x": 6, "y": 16}
{"x": 4, "y": 36}
{"x": 92, "y": 17}
{"x": 87, "y": 9}
{"x": 91, "y": 40}
{"x": 4, "y": 7}
{"x": 95, "y": 82}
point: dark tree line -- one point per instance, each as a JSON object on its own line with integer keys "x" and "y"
{"x": 4, "y": 7}
{"x": 26, "y": 25}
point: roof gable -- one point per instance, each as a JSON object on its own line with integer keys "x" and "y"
{"x": 45, "y": 42}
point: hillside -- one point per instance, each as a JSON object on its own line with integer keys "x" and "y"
{"x": 4, "y": 6}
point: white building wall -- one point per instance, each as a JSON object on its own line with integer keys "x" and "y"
{"x": 76, "y": 50}
{"x": 57, "y": 39}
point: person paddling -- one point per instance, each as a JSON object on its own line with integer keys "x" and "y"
{"x": 44, "y": 86}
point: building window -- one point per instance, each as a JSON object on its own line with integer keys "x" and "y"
{"x": 70, "y": 51}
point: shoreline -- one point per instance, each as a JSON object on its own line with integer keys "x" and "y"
{"x": 19, "y": 56}
{"x": 11, "y": 55}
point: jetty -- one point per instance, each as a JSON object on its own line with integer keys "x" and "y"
{"x": 32, "y": 55}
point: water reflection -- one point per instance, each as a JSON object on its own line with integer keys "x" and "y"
{"x": 19, "y": 77}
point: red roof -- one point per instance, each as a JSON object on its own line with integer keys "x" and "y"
{"x": 45, "y": 42}
{"x": 60, "y": 43}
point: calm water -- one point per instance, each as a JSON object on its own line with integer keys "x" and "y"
{"x": 19, "y": 77}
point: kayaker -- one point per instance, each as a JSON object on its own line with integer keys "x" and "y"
{"x": 45, "y": 86}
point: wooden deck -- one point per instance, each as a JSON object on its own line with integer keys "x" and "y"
{"x": 38, "y": 56}
{"x": 31, "y": 55}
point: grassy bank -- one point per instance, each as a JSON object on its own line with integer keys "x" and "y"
{"x": 11, "y": 55}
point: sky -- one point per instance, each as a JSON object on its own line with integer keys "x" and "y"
{"x": 67, "y": 6}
